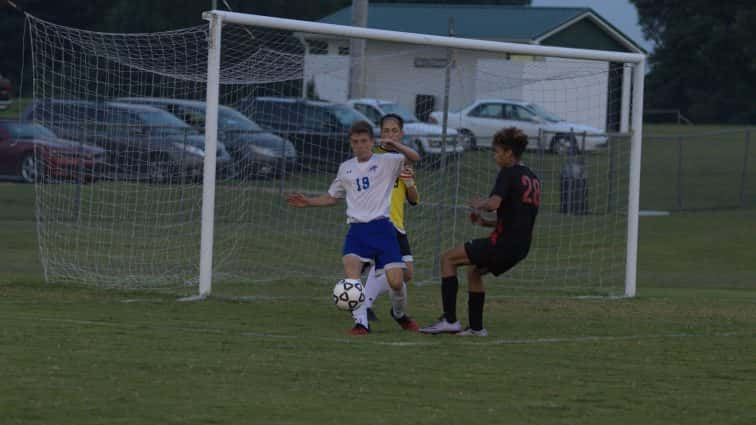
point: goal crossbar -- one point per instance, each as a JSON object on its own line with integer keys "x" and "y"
{"x": 422, "y": 39}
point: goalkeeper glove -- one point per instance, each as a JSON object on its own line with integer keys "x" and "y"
{"x": 408, "y": 176}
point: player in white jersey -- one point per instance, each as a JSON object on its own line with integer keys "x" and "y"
{"x": 366, "y": 181}
{"x": 392, "y": 127}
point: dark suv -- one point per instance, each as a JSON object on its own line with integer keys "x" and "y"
{"x": 256, "y": 152}
{"x": 319, "y": 130}
{"x": 141, "y": 142}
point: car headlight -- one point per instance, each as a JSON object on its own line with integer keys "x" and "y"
{"x": 263, "y": 151}
{"x": 190, "y": 149}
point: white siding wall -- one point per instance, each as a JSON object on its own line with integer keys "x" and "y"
{"x": 331, "y": 75}
{"x": 574, "y": 90}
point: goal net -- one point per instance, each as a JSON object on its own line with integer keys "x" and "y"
{"x": 121, "y": 204}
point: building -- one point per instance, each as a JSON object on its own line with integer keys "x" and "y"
{"x": 412, "y": 75}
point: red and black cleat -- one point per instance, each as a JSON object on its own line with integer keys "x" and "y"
{"x": 358, "y": 329}
{"x": 407, "y": 323}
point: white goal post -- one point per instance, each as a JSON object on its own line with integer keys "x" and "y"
{"x": 218, "y": 18}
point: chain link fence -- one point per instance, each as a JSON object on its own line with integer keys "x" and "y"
{"x": 704, "y": 170}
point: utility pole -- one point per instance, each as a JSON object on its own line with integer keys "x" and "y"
{"x": 357, "y": 51}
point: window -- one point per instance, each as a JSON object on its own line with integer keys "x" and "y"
{"x": 369, "y": 112}
{"x": 523, "y": 114}
{"x": 317, "y": 47}
{"x": 488, "y": 110}
{"x": 343, "y": 50}
{"x": 278, "y": 115}
{"x": 316, "y": 118}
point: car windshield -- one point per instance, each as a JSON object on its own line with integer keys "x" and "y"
{"x": 165, "y": 122}
{"x": 346, "y": 115}
{"x": 395, "y": 108}
{"x": 231, "y": 119}
{"x": 548, "y": 116}
{"x": 29, "y": 131}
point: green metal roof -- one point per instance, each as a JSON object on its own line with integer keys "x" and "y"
{"x": 490, "y": 22}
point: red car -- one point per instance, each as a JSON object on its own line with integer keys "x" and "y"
{"x": 5, "y": 92}
{"x": 33, "y": 152}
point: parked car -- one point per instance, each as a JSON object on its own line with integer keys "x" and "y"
{"x": 256, "y": 152}
{"x": 5, "y": 92}
{"x": 318, "y": 129}
{"x": 32, "y": 153}
{"x": 425, "y": 138}
{"x": 480, "y": 120}
{"x": 141, "y": 142}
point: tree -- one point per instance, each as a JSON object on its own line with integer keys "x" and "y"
{"x": 704, "y": 62}
{"x": 87, "y": 15}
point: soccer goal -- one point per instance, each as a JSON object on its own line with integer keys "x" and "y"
{"x": 184, "y": 143}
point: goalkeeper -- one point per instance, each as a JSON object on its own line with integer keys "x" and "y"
{"x": 392, "y": 128}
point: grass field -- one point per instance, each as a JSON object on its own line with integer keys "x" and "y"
{"x": 682, "y": 352}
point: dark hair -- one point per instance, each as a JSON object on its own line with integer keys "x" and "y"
{"x": 511, "y": 138}
{"x": 396, "y": 117}
{"x": 361, "y": 127}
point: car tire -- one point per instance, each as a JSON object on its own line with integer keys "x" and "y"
{"x": 30, "y": 169}
{"x": 472, "y": 142}
{"x": 425, "y": 160}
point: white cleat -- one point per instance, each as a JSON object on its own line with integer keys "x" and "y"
{"x": 472, "y": 332}
{"x": 442, "y": 327}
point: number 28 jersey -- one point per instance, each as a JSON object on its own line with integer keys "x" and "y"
{"x": 520, "y": 191}
{"x": 367, "y": 186}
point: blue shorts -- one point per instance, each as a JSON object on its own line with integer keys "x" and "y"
{"x": 374, "y": 241}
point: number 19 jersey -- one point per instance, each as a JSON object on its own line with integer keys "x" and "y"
{"x": 367, "y": 186}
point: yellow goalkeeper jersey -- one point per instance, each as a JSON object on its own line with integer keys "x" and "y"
{"x": 398, "y": 198}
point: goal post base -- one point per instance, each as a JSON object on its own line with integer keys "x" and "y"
{"x": 193, "y": 298}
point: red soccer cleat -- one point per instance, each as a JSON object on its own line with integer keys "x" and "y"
{"x": 358, "y": 329}
{"x": 407, "y": 323}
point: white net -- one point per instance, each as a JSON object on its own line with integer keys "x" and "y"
{"x": 120, "y": 204}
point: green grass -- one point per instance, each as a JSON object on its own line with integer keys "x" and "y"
{"x": 14, "y": 110}
{"x": 681, "y": 352}
{"x": 78, "y": 356}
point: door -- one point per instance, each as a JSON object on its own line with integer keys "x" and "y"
{"x": 484, "y": 121}
{"x": 12, "y": 151}
{"x": 525, "y": 120}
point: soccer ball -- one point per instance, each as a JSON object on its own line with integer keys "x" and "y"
{"x": 348, "y": 295}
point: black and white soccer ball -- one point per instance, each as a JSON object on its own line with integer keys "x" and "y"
{"x": 347, "y": 295}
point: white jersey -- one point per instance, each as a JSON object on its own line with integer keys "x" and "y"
{"x": 367, "y": 186}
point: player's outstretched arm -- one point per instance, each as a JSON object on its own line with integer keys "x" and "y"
{"x": 405, "y": 150}
{"x": 486, "y": 204}
{"x": 298, "y": 200}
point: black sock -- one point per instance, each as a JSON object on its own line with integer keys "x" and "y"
{"x": 475, "y": 301}
{"x": 449, "y": 297}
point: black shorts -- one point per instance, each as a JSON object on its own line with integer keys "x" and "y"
{"x": 404, "y": 246}
{"x": 494, "y": 259}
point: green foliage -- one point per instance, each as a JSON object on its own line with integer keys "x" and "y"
{"x": 704, "y": 62}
